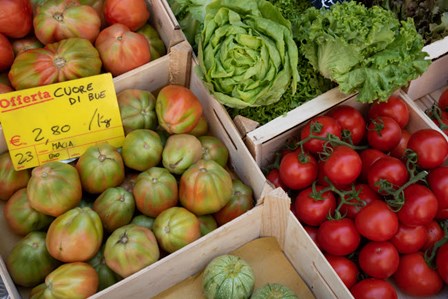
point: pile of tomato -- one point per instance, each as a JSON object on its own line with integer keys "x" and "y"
{"x": 373, "y": 196}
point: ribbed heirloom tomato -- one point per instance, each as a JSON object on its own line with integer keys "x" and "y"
{"x": 16, "y": 18}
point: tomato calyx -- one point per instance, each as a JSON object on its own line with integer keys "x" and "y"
{"x": 431, "y": 253}
{"x": 435, "y": 113}
{"x": 378, "y": 126}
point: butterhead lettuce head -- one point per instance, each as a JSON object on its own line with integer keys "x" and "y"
{"x": 246, "y": 52}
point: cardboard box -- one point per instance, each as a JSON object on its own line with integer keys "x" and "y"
{"x": 167, "y": 27}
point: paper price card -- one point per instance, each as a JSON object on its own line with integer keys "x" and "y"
{"x": 60, "y": 121}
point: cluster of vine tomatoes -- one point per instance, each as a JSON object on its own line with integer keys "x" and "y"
{"x": 373, "y": 196}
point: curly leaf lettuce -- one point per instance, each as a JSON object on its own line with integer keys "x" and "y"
{"x": 246, "y": 52}
{"x": 365, "y": 50}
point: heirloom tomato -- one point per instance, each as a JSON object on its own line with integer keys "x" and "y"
{"x": 121, "y": 49}
{"x": 372, "y": 288}
{"x": 26, "y": 43}
{"x": 54, "y": 188}
{"x": 420, "y": 206}
{"x": 143, "y": 220}
{"x": 56, "y": 20}
{"x": 205, "y": 187}
{"x": 214, "y": 149}
{"x": 75, "y": 236}
{"x": 137, "y": 109}
{"x": 68, "y": 279}
{"x": 298, "y": 170}
{"x": 352, "y": 123}
{"x": 11, "y": 180}
{"x": 142, "y": 149}
{"x": 438, "y": 183}
{"x": 378, "y": 259}
{"x": 442, "y": 262}
{"x": 115, "y": 207}
{"x": 156, "y": 45}
{"x": 395, "y": 107}
{"x": 338, "y": 236}
{"x": 311, "y": 209}
{"x": 180, "y": 152}
{"x": 155, "y": 191}
{"x": 131, "y": 248}
{"x": 175, "y": 228}
{"x": 342, "y": 166}
{"x": 71, "y": 58}
{"x": 29, "y": 261}
{"x": 131, "y": 13}
{"x": 106, "y": 276}
{"x": 178, "y": 109}
{"x": 430, "y": 146}
{"x": 346, "y": 269}
{"x": 319, "y": 126}
{"x": 242, "y": 200}
{"x": 376, "y": 221}
{"x": 383, "y": 133}
{"x": 415, "y": 277}
{"x": 207, "y": 224}
{"x": 100, "y": 167}
{"x": 16, "y": 18}
{"x": 21, "y": 217}
{"x": 6, "y": 53}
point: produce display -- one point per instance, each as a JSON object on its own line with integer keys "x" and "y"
{"x": 49, "y": 41}
{"x": 368, "y": 190}
{"x": 108, "y": 214}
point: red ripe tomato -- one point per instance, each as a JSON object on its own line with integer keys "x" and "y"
{"x": 319, "y": 126}
{"x": 6, "y": 53}
{"x": 352, "y": 123}
{"x": 16, "y": 18}
{"x": 383, "y": 133}
{"x": 365, "y": 194}
{"x": 377, "y": 222}
{"x": 342, "y": 166}
{"x": 346, "y": 269}
{"x": 273, "y": 176}
{"x": 420, "y": 206}
{"x": 313, "y": 211}
{"x": 395, "y": 107}
{"x": 442, "y": 262}
{"x": 372, "y": 288}
{"x": 338, "y": 236}
{"x": 298, "y": 170}
{"x": 414, "y": 277}
{"x": 131, "y": 13}
{"x": 312, "y": 232}
{"x": 443, "y": 101}
{"x": 378, "y": 259}
{"x": 434, "y": 233}
{"x": 122, "y": 50}
{"x": 438, "y": 182}
{"x": 409, "y": 239}
{"x": 388, "y": 169}
{"x": 368, "y": 157}
{"x": 399, "y": 150}
{"x": 430, "y": 146}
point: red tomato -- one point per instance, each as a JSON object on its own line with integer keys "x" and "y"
{"x": 346, "y": 269}
{"x": 319, "y": 126}
{"x": 298, "y": 170}
{"x": 409, "y": 239}
{"x": 387, "y": 169}
{"x": 131, "y": 13}
{"x": 420, "y": 206}
{"x": 368, "y": 157}
{"x": 434, "y": 233}
{"x": 6, "y": 53}
{"x": 443, "y": 101}
{"x": 383, "y": 133}
{"x": 273, "y": 176}
{"x": 399, "y": 150}
{"x": 372, "y": 288}
{"x": 342, "y": 166}
{"x": 438, "y": 182}
{"x": 377, "y": 222}
{"x": 352, "y": 123}
{"x": 430, "y": 146}
{"x": 378, "y": 259}
{"x": 312, "y": 232}
{"x": 16, "y": 18}
{"x": 314, "y": 211}
{"x": 442, "y": 122}
{"x": 365, "y": 194}
{"x": 338, "y": 237}
{"x": 394, "y": 107}
{"x": 442, "y": 262}
{"x": 414, "y": 277}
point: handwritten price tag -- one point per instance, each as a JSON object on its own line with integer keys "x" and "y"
{"x": 60, "y": 121}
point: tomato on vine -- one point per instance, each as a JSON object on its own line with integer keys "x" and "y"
{"x": 438, "y": 182}
{"x": 372, "y": 288}
{"x": 409, "y": 239}
{"x": 420, "y": 206}
{"x": 345, "y": 268}
{"x": 352, "y": 123}
{"x": 378, "y": 259}
{"x": 298, "y": 169}
{"x": 376, "y": 221}
{"x": 387, "y": 173}
{"x": 312, "y": 207}
{"x": 342, "y": 166}
{"x": 429, "y": 147}
{"x": 383, "y": 133}
{"x": 317, "y": 128}
{"x": 338, "y": 236}
{"x": 395, "y": 107}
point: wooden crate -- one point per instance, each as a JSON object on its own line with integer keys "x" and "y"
{"x": 169, "y": 31}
